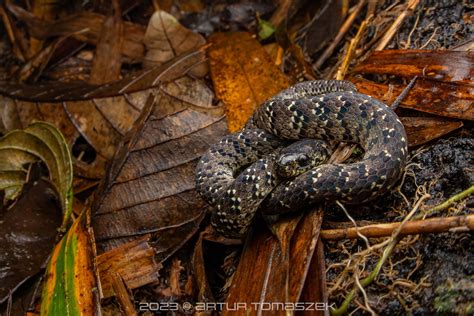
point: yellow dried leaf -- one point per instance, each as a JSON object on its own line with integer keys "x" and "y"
{"x": 243, "y": 75}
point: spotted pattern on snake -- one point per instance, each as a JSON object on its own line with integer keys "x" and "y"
{"x": 328, "y": 110}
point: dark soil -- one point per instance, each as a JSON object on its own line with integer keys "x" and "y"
{"x": 439, "y": 268}
{"x": 445, "y": 261}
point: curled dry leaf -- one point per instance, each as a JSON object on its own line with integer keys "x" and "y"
{"x": 166, "y": 38}
{"x": 38, "y": 142}
{"x": 149, "y": 188}
{"x": 97, "y": 115}
{"x": 243, "y": 75}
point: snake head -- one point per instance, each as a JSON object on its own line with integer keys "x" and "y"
{"x": 301, "y": 156}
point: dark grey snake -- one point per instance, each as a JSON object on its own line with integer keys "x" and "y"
{"x": 321, "y": 113}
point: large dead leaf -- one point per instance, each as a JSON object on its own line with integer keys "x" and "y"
{"x": 150, "y": 185}
{"x": 95, "y": 115}
{"x": 165, "y": 39}
{"x": 243, "y": 75}
{"x": 440, "y": 98}
{"x": 442, "y": 65}
{"x": 27, "y": 235}
{"x": 275, "y": 271}
{"x": 421, "y": 130}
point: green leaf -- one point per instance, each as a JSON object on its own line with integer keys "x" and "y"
{"x": 11, "y": 181}
{"x": 70, "y": 280}
{"x": 265, "y": 29}
{"x": 38, "y": 142}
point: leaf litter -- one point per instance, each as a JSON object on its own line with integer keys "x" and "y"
{"x": 167, "y": 118}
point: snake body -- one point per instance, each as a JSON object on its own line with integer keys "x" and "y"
{"x": 328, "y": 110}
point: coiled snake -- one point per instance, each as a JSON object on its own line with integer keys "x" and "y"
{"x": 322, "y": 113}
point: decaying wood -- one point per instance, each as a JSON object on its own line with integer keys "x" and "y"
{"x": 134, "y": 262}
{"x": 122, "y": 295}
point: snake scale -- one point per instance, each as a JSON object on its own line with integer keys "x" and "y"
{"x": 239, "y": 175}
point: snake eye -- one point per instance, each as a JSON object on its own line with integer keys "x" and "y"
{"x": 302, "y": 160}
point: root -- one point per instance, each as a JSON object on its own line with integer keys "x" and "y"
{"x": 392, "y": 242}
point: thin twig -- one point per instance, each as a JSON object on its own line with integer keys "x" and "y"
{"x": 404, "y": 93}
{"x": 428, "y": 226}
{"x": 341, "y": 72}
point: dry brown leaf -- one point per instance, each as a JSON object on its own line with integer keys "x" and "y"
{"x": 440, "y": 98}
{"x": 243, "y": 75}
{"x": 271, "y": 271}
{"x": 97, "y": 116}
{"x": 150, "y": 185}
{"x": 108, "y": 56}
{"x": 166, "y": 38}
{"x": 85, "y": 27}
{"x": 442, "y": 65}
{"x": 35, "y": 217}
{"x": 421, "y": 130}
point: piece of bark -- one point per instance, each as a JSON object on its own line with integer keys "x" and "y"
{"x": 134, "y": 262}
